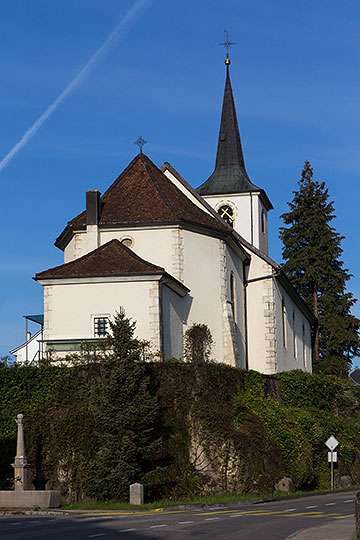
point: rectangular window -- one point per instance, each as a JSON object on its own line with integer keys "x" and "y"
{"x": 101, "y": 326}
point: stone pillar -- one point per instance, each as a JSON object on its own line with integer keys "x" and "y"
{"x": 20, "y": 464}
{"x": 136, "y": 494}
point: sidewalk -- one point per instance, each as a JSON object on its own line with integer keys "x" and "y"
{"x": 336, "y": 529}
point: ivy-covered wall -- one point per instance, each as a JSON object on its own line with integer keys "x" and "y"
{"x": 217, "y": 429}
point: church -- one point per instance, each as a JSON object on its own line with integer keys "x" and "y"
{"x": 173, "y": 256}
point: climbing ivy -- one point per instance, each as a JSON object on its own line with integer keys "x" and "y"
{"x": 215, "y": 428}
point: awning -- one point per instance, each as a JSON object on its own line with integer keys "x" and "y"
{"x": 35, "y": 318}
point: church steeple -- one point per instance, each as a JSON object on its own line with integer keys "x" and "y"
{"x": 230, "y": 175}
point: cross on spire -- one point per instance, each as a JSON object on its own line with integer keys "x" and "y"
{"x": 227, "y": 44}
{"x": 140, "y": 143}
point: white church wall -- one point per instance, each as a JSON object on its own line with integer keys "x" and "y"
{"x": 153, "y": 244}
{"x": 70, "y": 309}
{"x": 241, "y": 203}
{"x": 248, "y": 209}
{"x": 234, "y": 266}
{"x": 261, "y": 355}
{"x": 172, "y": 316}
{"x": 76, "y": 247}
{"x": 202, "y": 276}
{"x": 294, "y": 341}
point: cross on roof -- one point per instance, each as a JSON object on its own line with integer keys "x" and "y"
{"x": 140, "y": 143}
{"x": 227, "y": 43}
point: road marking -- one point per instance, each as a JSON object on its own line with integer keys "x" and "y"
{"x": 14, "y": 523}
{"x": 94, "y": 535}
{"x": 211, "y": 519}
{"x": 311, "y": 506}
{"x": 290, "y": 510}
{"x": 184, "y": 522}
{"x": 349, "y": 500}
{"x": 330, "y": 504}
{"x": 126, "y": 530}
{"x": 237, "y": 515}
{"x": 156, "y": 526}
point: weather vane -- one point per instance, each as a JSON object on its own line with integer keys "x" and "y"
{"x": 140, "y": 143}
{"x": 227, "y": 44}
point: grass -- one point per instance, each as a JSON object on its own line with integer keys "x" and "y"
{"x": 209, "y": 499}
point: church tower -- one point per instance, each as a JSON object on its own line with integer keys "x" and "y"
{"x": 229, "y": 189}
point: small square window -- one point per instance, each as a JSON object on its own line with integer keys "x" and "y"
{"x": 101, "y": 325}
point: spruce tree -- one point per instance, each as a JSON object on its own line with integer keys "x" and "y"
{"x": 311, "y": 251}
{"x": 126, "y": 412}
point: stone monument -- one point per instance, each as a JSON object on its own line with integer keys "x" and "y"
{"x": 21, "y": 496}
{"x": 136, "y": 494}
{"x": 20, "y": 463}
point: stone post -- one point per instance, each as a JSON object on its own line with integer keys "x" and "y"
{"x": 20, "y": 464}
{"x": 136, "y": 494}
{"x": 357, "y": 514}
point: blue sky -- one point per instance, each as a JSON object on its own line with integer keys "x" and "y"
{"x": 296, "y": 81}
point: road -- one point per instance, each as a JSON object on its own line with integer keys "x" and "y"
{"x": 267, "y": 521}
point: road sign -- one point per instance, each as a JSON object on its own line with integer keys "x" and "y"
{"x": 332, "y": 457}
{"x": 332, "y": 443}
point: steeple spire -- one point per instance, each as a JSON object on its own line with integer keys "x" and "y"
{"x": 230, "y": 175}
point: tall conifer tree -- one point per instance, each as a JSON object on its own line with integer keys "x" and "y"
{"x": 311, "y": 251}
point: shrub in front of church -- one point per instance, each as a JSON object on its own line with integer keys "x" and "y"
{"x": 180, "y": 428}
{"x": 126, "y": 411}
{"x": 306, "y": 411}
{"x": 198, "y": 344}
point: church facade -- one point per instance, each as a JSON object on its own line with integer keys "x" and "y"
{"x": 172, "y": 256}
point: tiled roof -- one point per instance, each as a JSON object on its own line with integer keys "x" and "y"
{"x": 110, "y": 259}
{"x": 142, "y": 194}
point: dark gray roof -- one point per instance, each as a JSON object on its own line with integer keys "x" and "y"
{"x": 230, "y": 175}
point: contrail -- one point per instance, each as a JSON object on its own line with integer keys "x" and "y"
{"x": 114, "y": 37}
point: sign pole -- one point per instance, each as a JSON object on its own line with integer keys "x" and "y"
{"x": 332, "y": 443}
{"x": 332, "y": 471}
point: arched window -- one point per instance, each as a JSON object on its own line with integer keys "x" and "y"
{"x": 294, "y": 333}
{"x": 303, "y": 345}
{"x": 263, "y": 222}
{"x": 283, "y": 318}
{"x": 227, "y": 213}
{"x": 232, "y": 294}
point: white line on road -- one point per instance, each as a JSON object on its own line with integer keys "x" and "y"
{"x": 211, "y": 519}
{"x": 236, "y": 515}
{"x": 184, "y": 522}
{"x": 290, "y": 510}
{"x": 94, "y": 535}
{"x": 349, "y": 500}
{"x": 156, "y": 526}
{"x": 330, "y": 504}
{"x": 308, "y": 507}
{"x": 126, "y": 530}
{"x": 14, "y": 523}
